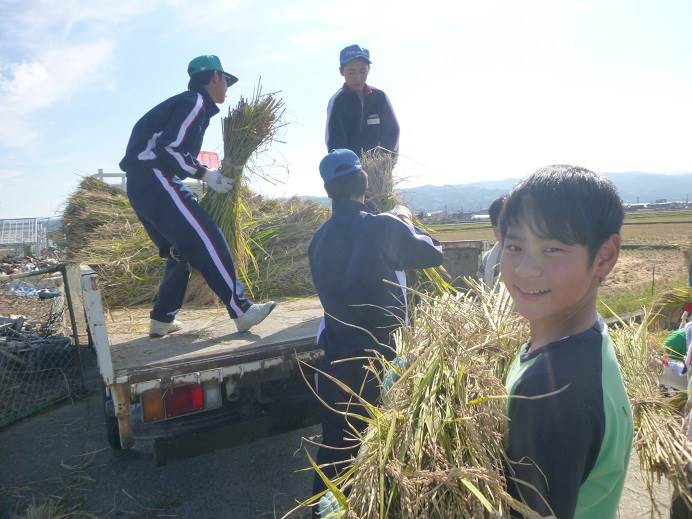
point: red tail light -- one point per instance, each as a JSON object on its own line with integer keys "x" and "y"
{"x": 184, "y": 399}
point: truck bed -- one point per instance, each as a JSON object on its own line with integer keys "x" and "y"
{"x": 208, "y": 339}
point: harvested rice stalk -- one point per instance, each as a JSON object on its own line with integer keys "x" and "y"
{"x": 92, "y": 205}
{"x": 435, "y": 448}
{"x": 249, "y": 127}
{"x": 659, "y": 440}
{"x": 668, "y": 307}
{"x": 379, "y": 165}
{"x": 127, "y": 263}
{"x": 380, "y": 196}
{"x": 103, "y": 232}
{"x": 279, "y": 235}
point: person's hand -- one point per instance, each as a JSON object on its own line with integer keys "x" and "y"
{"x": 396, "y": 367}
{"x": 328, "y": 505}
{"x": 217, "y": 182}
{"x": 403, "y": 213}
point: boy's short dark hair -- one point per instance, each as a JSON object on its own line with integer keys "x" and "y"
{"x": 348, "y": 186}
{"x": 200, "y": 80}
{"x": 566, "y": 203}
{"x": 495, "y": 209}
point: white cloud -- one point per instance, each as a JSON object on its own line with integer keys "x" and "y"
{"x": 209, "y": 16}
{"x": 8, "y": 174}
{"x": 64, "y": 21}
{"x": 52, "y": 76}
{"x": 53, "y": 50}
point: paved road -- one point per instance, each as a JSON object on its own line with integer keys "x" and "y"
{"x": 64, "y": 453}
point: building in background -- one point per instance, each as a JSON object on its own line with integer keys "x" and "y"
{"x": 22, "y": 236}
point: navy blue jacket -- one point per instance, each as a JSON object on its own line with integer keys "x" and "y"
{"x": 361, "y": 125}
{"x": 351, "y": 255}
{"x": 169, "y": 136}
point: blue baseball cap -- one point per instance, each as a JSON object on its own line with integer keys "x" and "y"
{"x": 339, "y": 163}
{"x": 352, "y": 52}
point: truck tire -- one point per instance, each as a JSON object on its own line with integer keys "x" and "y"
{"x": 112, "y": 431}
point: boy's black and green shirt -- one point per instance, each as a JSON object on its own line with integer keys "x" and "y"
{"x": 570, "y": 427}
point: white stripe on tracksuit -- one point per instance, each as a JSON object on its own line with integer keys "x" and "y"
{"x": 148, "y": 153}
{"x": 391, "y": 109}
{"x": 423, "y": 237}
{"x": 330, "y": 107}
{"x": 203, "y": 236}
{"x": 181, "y": 135}
{"x": 401, "y": 278}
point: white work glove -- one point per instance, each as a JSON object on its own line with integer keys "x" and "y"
{"x": 403, "y": 213}
{"x": 217, "y": 182}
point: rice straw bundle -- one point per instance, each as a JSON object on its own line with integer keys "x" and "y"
{"x": 92, "y": 205}
{"x": 249, "y": 127}
{"x": 278, "y": 237}
{"x": 380, "y": 196}
{"x": 668, "y": 307}
{"x": 379, "y": 165}
{"x": 103, "y": 231}
{"x": 659, "y": 439}
{"x": 434, "y": 448}
{"x": 127, "y": 263}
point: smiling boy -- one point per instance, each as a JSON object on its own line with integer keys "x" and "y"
{"x": 360, "y": 117}
{"x": 570, "y": 423}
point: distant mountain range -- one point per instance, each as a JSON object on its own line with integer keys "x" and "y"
{"x": 632, "y": 186}
{"x": 52, "y": 223}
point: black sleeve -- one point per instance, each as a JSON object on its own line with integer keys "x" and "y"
{"x": 389, "y": 126}
{"x": 336, "y": 125}
{"x": 407, "y": 247}
{"x": 552, "y": 445}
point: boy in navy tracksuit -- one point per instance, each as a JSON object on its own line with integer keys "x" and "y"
{"x": 162, "y": 151}
{"x": 353, "y": 256}
{"x": 360, "y": 117}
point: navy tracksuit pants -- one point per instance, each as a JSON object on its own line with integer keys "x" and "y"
{"x": 173, "y": 219}
{"x": 338, "y": 445}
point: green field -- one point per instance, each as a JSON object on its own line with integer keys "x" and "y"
{"x": 629, "y": 287}
{"x": 625, "y": 299}
{"x": 665, "y": 227}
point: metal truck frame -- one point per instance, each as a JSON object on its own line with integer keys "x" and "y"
{"x": 256, "y": 381}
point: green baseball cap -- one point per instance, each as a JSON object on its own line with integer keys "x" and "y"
{"x": 209, "y": 62}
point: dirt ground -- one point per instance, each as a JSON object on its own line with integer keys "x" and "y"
{"x": 635, "y": 266}
{"x": 34, "y": 309}
{"x": 665, "y": 233}
{"x": 638, "y": 266}
{"x": 670, "y": 233}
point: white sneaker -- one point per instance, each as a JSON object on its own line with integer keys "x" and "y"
{"x": 255, "y": 315}
{"x": 159, "y": 328}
